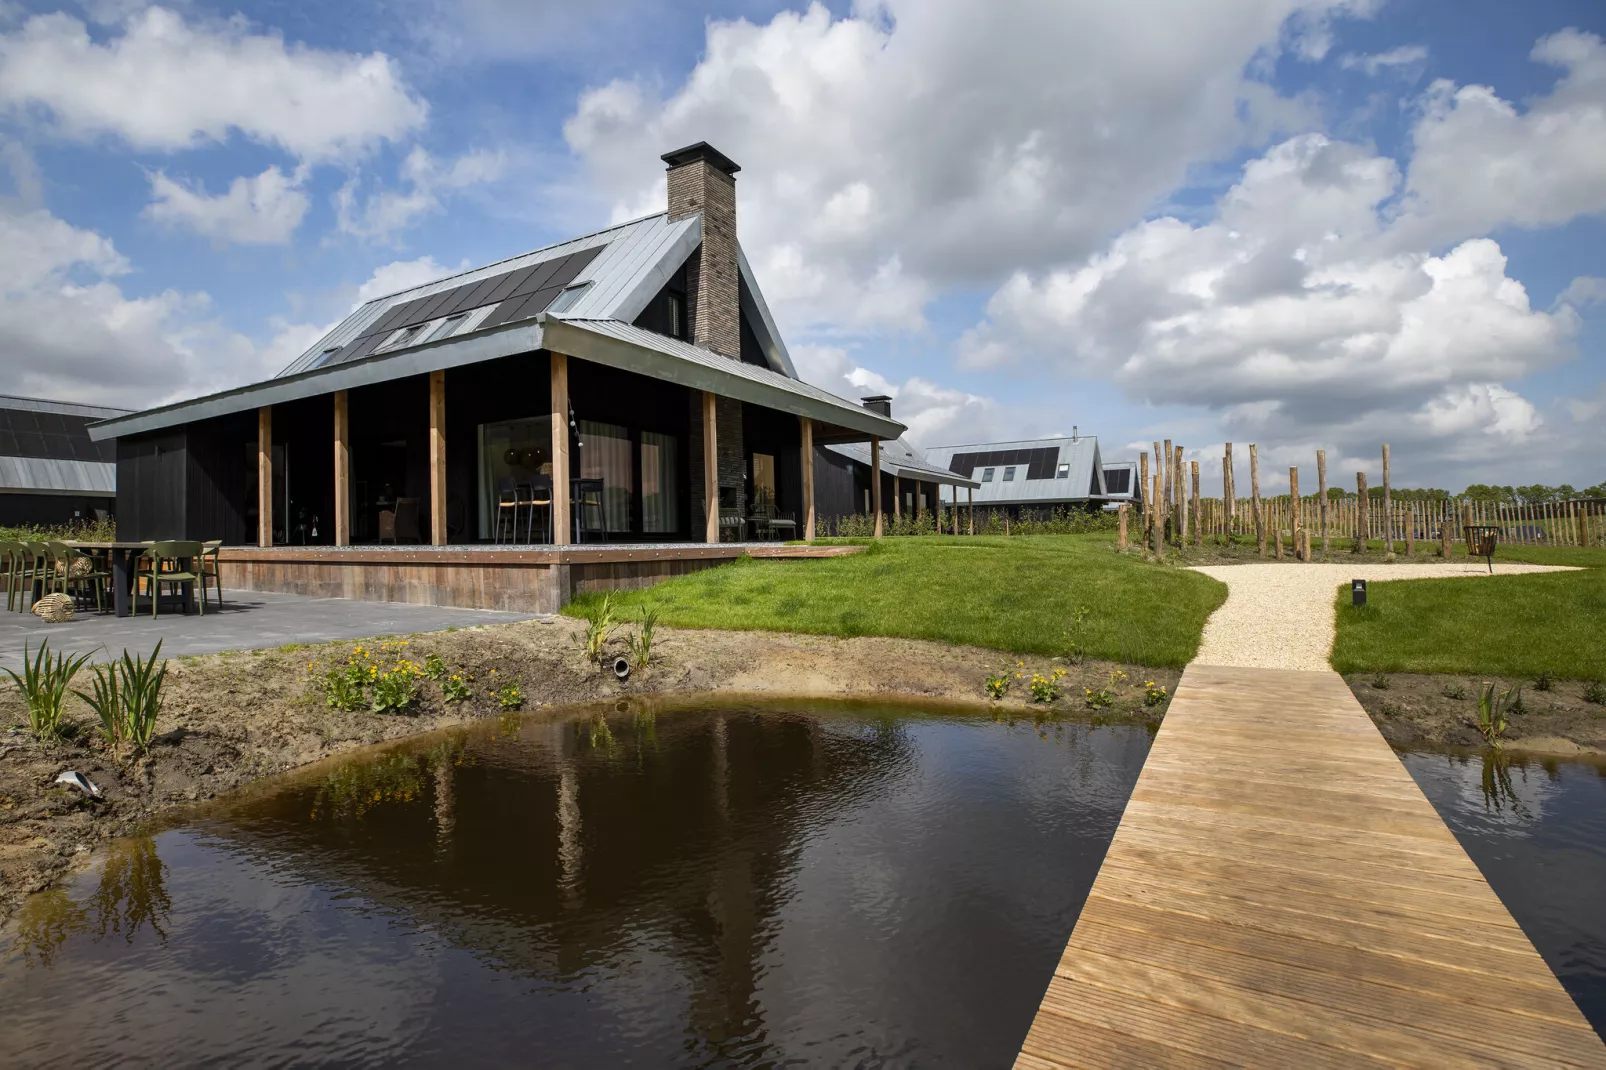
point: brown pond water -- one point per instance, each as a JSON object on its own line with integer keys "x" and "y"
{"x": 794, "y": 884}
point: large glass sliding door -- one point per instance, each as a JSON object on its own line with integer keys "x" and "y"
{"x": 605, "y": 454}
{"x": 511, "y": 452}
{"x": 660, "y": 490}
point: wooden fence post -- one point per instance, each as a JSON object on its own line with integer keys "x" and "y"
{"x": 1143, "y": 489}
{"x": 1159, "y": 523}
{"x": 1321, "y": 488}
{"x": 1254, "y": 490}
{"x": 1446, "y": 533}
{"x": 1388, "y": 509}
{"x": 1120, "y": 512}
{"x": 1363, "y": 510}
{"x": 1198, "y": 516}
{"x": 1295, "y": 520}
{"x": 1227, "y": 491}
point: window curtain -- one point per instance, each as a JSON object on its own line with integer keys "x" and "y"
{"x": 660, "y": 497}
{"x": 605, "y": 455}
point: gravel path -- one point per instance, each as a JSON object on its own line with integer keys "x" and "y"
{"x": 1281, "y": 616}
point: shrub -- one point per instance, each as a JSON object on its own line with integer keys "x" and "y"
{"x": 1455, "y": 691}
{"x": 127, "y": 698}
{"x": 343, "y": 687}
{"x": 455, "y": 689}
{"x": 1595, "y": 691}
{"x": 43, "y": 684}
{"x": 1380, "y": 681}
{"x": 510, "y": 697}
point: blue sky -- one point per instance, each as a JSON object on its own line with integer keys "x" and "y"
{"x": 1303, "y": 223}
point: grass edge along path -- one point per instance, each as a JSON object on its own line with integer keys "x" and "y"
{"x": 1511, "y": 626}
{"x": 1051, "y": 595}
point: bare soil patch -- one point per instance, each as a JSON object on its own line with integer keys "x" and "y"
{"x": 1441, "y": 709}
{"x": 231, "y": 719}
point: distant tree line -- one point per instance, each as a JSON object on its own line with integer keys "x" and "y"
{"x": 1534, "y": 494}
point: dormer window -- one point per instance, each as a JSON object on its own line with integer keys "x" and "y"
{"x": 986, "y": 475}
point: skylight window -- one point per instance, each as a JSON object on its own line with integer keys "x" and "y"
{"x": 448, "y": 327}
{"x": 1064, "y": 472}
{"x": 404, "y": 337}
{"x": 1009, "y": 473}
{"x": 323, "y": 358}
{"x": 986, "y": 475}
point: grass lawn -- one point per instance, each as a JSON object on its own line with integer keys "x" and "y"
{"x": 1018, "y": 594}
{"x": 1500, "y": 626}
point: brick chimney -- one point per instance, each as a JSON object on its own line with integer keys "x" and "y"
{"x": 880, "y": 403}
{"x": 703, "y": 179}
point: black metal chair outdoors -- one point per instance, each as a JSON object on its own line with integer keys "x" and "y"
{"x": 537, "y": 494}
{"x": 589, "y": 513}
{"x": 1481, "y": 541}
{"x": 507, "y": 508}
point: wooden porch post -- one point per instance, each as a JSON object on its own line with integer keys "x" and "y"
{"x": 265, "y": 476}
{"x": 875, "y": 485}
{"x": 560, "y": 449}
{"x": 710, "y": 470}
{"x": 342, "y": 469}
{"x": 437, "y": 458}
{"x": 808, "y": 478}
{"x": 970, "y": 501}
{"x": 897, "y": 497}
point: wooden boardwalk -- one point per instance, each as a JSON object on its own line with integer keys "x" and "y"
{"x": 1280, "y": 893}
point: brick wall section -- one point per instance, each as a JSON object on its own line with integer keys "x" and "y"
{"x": 713, "y": 306}
{"x": 732, "y": 465}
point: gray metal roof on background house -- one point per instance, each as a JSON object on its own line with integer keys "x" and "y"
{"x": 1038, "y": 465}
{"x": 900, "y": 459}
{"x": 45, "y": 448}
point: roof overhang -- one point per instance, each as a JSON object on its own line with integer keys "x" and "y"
{"x": 668, "y": 360}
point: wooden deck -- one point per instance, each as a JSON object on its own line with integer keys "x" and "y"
{"x": 1280, "y": 893}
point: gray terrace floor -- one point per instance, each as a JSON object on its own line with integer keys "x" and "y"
{"x": 248, "y": 620}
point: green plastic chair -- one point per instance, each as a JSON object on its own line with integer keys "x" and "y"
{"x": 210, "y": 570}
{"x": 174, "y": 553}
{"x": 39, "y": 570}
{"x": 14, "y": 564}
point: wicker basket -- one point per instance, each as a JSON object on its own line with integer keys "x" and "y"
{"x": 54, "y": 608}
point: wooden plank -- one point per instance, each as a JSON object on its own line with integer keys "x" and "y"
{"x": 875, "y": 486}
{"x": 342, "y": 469}
{"x": 1280, "y": 892}
{"x": 808, "y": 480}
{"x": 265, "y": 476}
{"x": 437, "y": 458}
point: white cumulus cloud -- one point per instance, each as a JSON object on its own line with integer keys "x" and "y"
{"x": 261, "y": 210}
{"x": 425, "y": 180}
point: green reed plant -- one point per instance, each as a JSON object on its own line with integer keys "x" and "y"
{"x": 1492, "y": 715}
{"x": 44, "y": 683}
{"x": 641, "y": 639}
{"x": 599, "y": 628}
{"x": 127, "y": 699}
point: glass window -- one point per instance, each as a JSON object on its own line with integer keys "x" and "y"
{"x": 323, "y": 358}
{"x": 405, "y": 336}
{"x": 677, "y": 316}
{"x": 1064, "y": 472}
{"x": 986, "y": 475}
{"x": 660, "y": 493}
{"x": 1009, "y": 473}
{"x": 763, "y": 480}
{"x": 605, "y": 455}
{"x": 448, "y": 327}
{"x": 515, "y": 451}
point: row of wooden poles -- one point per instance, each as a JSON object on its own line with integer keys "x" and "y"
{"x": 1174, "y": 513}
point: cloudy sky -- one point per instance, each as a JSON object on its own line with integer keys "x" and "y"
{"x": 1303, "y": 223}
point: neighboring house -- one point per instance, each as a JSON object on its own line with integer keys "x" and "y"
{"x": 50, "y": 471}
{"x": 1035, "y": 475}
{"x": 622, "y": 358}
{"x": 909, "y": 483}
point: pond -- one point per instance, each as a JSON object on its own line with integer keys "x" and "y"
{"x": 1537, "y": 830}
{"x": 831, "y": 885}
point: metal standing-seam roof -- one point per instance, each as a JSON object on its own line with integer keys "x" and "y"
{"x": 1084, "y": 478}
{"x": 900, "y": 459}
{"x": 45, "y": 448}
{"x": 48, "y": 475}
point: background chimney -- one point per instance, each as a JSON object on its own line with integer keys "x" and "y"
{"x": 880, "y": 403}
{"x": 703, "y": 179}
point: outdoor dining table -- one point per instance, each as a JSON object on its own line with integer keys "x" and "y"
{"x": 123, "y": 555}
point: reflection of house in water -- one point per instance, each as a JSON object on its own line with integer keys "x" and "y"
{"x": 561, "y": 851}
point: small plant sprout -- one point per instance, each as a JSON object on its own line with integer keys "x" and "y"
{"x": 1046, "y": 688}
{"x": 510, "y": 697}
{"x": 1492, "y": 709}
{"x": 434, "y": 667}
{"x": 1517, "y": 707}
{"x": 43, "y": 684}
{"x": 641, "y": 638}
{"x": 1097, "y": 698}
{"x": 1153, "y": 694}
{"x": 599, "y": 628}
{"x": 455, "y": 688}
{"x": 1076, "y": 635}
{"x": 1455, "y": 691}
{"x": 1380, "y": 681}
{"x": 997, "y": 684}
{"x": 1595, "y": 692}
{"x": 1545, "y": 681}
